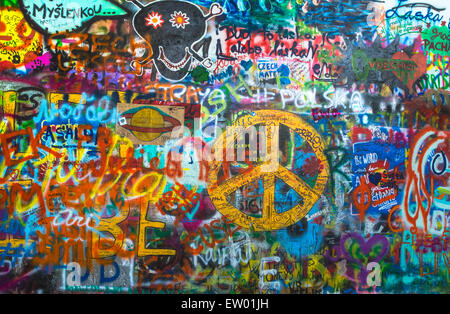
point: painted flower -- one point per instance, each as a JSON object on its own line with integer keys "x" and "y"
{"x": 312, "y": 166}
{"x": 179, "y": 19}
{"x": 154, "y": 19}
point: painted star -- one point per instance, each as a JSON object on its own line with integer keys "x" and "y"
{"x": 179, "y": 19}
{"x": 154, "y": 19}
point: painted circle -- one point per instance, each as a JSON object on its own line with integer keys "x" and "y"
{"x": 270, "y": 219}
{"x": 147, "y": 118}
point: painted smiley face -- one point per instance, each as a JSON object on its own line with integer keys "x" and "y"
{"x": 172, "y": 28}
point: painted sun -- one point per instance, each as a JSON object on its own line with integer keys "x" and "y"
{"x": 179, "y": 19}
{"x": 154, "y": 19}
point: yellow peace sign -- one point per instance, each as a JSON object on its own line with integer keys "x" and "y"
{"x": 269, "y": 171}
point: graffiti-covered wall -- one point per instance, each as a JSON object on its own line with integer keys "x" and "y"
{"x": 237, "y": 146}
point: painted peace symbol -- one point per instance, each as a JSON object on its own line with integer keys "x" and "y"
{"x": 269, "y": 172}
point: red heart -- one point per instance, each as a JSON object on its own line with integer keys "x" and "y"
{"x": 409, "y": 77}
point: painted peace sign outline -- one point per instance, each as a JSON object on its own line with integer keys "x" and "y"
{"x": 270, "y": 220}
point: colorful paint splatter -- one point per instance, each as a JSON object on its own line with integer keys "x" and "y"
{"x": 229, "y": 147}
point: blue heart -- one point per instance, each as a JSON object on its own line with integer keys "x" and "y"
{"x": 374, "y": 178}
{"x": 246, "y": 64}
